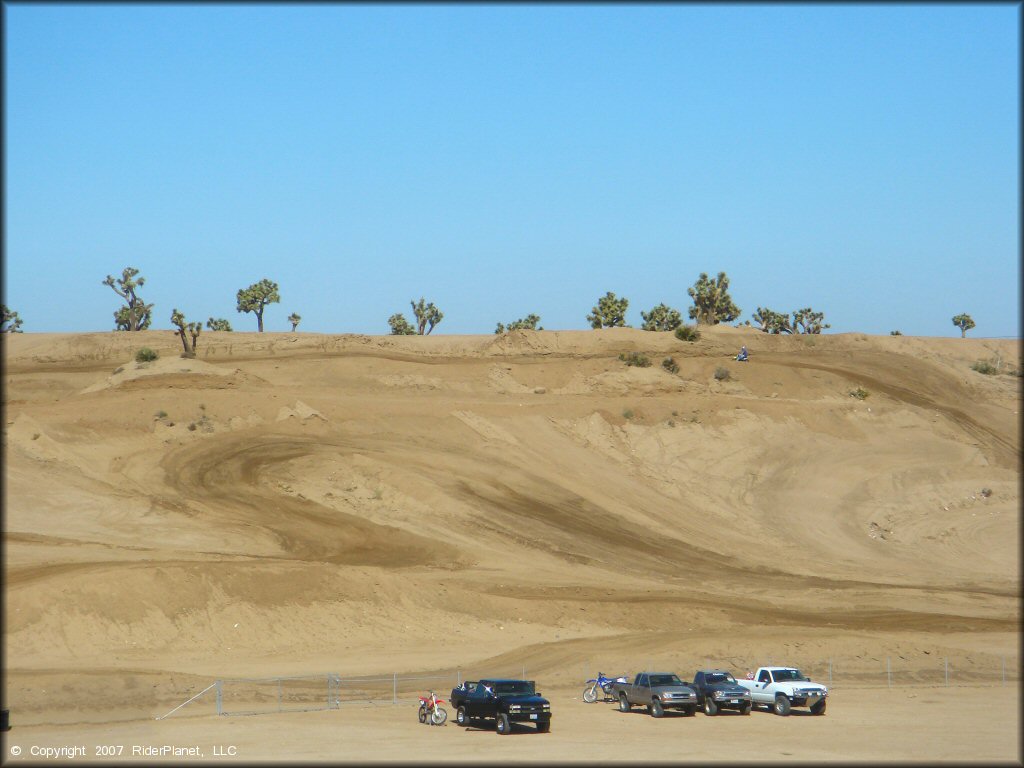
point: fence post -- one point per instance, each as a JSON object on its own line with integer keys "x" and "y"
{"x": 1002, "y": 659}
{"x": 947, "y": 670}
{"x": 220, "y": 697}
{"x": 888, "y": 670}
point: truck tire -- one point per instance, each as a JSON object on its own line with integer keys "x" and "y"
{"x": 624, "y": 705}
{"x": 710, "y": 708}
{"x": 504, "y": 727}
{"x": 690, "y": 711}
{"x": 544, "y": 727}
{"x": 782, "y": 705}
{"x": 745, "y": 709}
{"x": 818, "y": 708}
{"x": 655, "y": 709}
{"x": 461, "y": 718}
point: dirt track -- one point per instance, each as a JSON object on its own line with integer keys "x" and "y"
{"x": 289, "y": 503}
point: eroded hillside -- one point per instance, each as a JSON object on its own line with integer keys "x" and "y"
{"x": 296, "y": 502}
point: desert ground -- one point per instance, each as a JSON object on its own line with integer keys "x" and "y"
{"x": 426, "y": 509}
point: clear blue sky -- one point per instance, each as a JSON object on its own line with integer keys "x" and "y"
{"x": 506, "y": 159}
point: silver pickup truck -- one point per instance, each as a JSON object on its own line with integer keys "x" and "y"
{"x": 657, "y": 691}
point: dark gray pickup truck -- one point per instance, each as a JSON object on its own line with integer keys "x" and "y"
{"x": 717, "y": 689}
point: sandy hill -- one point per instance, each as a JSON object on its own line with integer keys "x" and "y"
{"x": 290, "y": 503}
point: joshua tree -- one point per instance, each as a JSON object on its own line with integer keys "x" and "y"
{"x": 11, "y": 321}
{"x": 610, "y": 312}
{"x": 192, "y": 329}
{"x": 528, "y": 323}
{"x": 137, "y": 315}
{"x": 661, "y": 318}
{"x": 256, "y": 297}
{"x": 895, "y": 333}
{"x": 427, "y": 316}
{"x": 808, "y": 321}
{"x": 964, "y": 323}
{"x": 770, "y": 321}
{"x": 400, "y": 326}
{"x": 712, "y": 303}
{"x": 294, "y": 319}
{"x": 218, "y": 324}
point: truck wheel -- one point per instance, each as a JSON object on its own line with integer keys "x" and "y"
{"x": 710, "y": 708}
{"x": 624, "y": 705}
{"x": 461, "y": 718}
{"x": 655, "y": 709}
{"x": 689, "y": 711}
{"x": 818, "y": 708}
{"x": 745, "y": 709}
{"x": 544, "y": 727}
{"x": 782, "y": 705}
{"x": 504, "y": 726}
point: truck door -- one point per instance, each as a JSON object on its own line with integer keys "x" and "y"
{"x": 476, "y": 701}
{"x": 764, "y": 680}
{"x": 641, "y": 689}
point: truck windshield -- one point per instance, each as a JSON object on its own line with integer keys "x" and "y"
{"x": 719, "y": 677}
{"x": 515, "y": 686}
{"x": 782, "y": 675}
{"x": 665, "y": 680}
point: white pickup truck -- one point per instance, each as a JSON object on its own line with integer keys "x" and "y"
{"x": 781, "y": 688}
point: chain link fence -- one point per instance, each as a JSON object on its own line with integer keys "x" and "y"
{"x": 333, "y": 691}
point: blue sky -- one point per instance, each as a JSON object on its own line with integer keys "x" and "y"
{"x": 499, "y": 160}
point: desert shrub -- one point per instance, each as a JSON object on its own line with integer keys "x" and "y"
{"x": 860, "y": 393}
{"x": 670, "y": 365}
{"x": 687, "y": 333}
{"x": 722, "y": 374}
{"x": 638, "y": 359}
{"x": 146, "y": 355}
{"x": 895, "y": 333}
{"x": 161, "y": 414}
{"x": 627, "y": 414}
{"x": 986, "y": 492}
{"x": 192, "y": 426}
{"x": 984, "y": 366}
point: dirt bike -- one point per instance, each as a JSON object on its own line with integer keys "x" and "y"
{"x": 605, "y": 683}
{"x": 431, "y": 711}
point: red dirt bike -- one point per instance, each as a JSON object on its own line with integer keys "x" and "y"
{"x": 430, "y": 711}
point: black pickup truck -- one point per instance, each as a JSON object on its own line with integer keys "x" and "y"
{"x": 501, "y": 700}
{"x": 717, "y": 690}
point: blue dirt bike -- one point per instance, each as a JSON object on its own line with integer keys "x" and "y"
{"x": 604, "y": 683}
